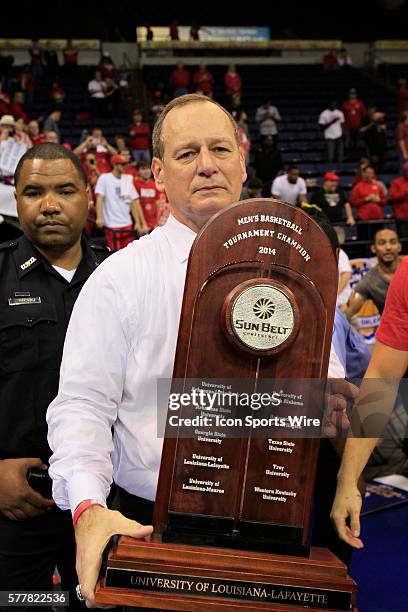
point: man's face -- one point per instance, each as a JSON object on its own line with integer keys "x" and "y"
{"x": 52, "y": 203}
{"x": 33, "y": 128}
{"x": 51, "y": 137}
{"x": 293, "y": 176}
{"x": 330, "y": 186}
{"x": 137, "y": 117}
{"x": 145, "y": 173}
{"x": 125, "y": 154}
{"x": 368, "y": 174}
{"x": 202, "y": 170}
{"x": 386, "y": 246}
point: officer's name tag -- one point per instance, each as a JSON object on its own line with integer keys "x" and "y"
{"x": 19, "y": 301}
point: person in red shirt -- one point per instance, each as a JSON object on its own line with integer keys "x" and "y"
{"x": 180, "y": 80}
{"x": 107, "y": 66}
{"x": 401, "y": 138}
{"x": 4, "y": 101}
{"x": 129, "y": 165}
{"x": 233, "y": 86}
{"x": 398, "y": 195}
{"x": 173, "y": 30}
{"x": 33, "y": 130}
{"x": 330, "y": 60}
{"x": 70, "y": 54}
{"x": 368, "y": 196}
{"x": 203, "y": 81}
{"x": 354, "y": 111}
{"x": 17, "y": 106}
{"x": 148, "y": 194}
{"x": 402, "y": 96}
{"x": 375, "y": 402}
{"x": 27, "y": 84}
{"x": 57, "y": 94}
{"x": 140, "y": 138}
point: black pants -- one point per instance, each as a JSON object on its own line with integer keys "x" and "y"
{"x": 30, "y": 550}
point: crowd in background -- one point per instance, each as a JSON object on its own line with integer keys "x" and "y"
{"x": 347, "y": 126}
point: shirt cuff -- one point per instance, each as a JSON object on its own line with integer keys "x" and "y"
{"x": 85, "y": 486}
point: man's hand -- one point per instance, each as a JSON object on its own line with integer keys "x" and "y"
{"x": 93, "y": 531}
{"x": 18, "y": 501}
{"x": 347, "y": 503}
{"x": 142, "y": 230}
{"x": 338, "y": 393}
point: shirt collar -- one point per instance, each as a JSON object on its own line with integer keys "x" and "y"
{"x": 180, "y": 237}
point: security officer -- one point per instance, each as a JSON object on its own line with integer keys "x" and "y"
{"x": 41, "y": 275}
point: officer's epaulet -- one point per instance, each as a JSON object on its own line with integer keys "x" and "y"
{"x": 9, "y": 244}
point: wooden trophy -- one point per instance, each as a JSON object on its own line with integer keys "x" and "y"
{"x": 233, "y": 504}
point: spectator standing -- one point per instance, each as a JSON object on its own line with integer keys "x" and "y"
{"x": 97, "y": 90}
{"x": 129, "y": 166}
{"x": 148, "y": 194}
{"x": 140, "y": 138}
{"x": 116, "y": 202}
{"x": 354, "y": 112}
{"x": 343, "y": 59}
{"x": 266, "y": 116}
{"x": 290, "y": 187}
{"x": 330, "y": 61}
{"x": 233, "y": 86}
{"x": 36, "y": 55}
{"x": 331, "y": 121}
{"x": 51, "y": 62}
{"x": 17, "y": 106}
{"x": 345, "y": 270}
{"x": 398, "y": 195}
{"x": 174, "y": 31}
{"x": 243, "y": 134}
{"x": 27, "y": 84}
{"x": 21, "y": 133}
{"x": 268, "y": 162}
{"x": 149, "y": 33}
{"x": 203, "y": 81}
{"x": 52, "y": 137}
{"x": 180, "y": 80}
{"x": 401, "y": 138}
{"x": 33, "y": 130}
{"x": 51, "y": 124}
{"x": 368, "y": 196}
{"x": 4, "y": 100}
{"x": 107, "y": 66}
{"x": 120, "y": 142}
{"x": 97, "y": 143}
{"x": 402, "y": 96}
{"x": 70, "y": 55}
{"x": 331, "y": 199}
{"x": 374, "y": 284}
{"x": 376, "y": 141}
{"x": 57, "y": 93}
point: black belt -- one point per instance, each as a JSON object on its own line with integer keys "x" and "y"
{"x": 134, "y": 507}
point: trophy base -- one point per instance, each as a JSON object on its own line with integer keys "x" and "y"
{"x": 178, "y": 577}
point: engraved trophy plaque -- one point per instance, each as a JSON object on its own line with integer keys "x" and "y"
{"x": 232, "y": 512}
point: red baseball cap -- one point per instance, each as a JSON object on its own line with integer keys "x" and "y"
{"x": 117, "y": 159}
{"x": 331, "y": 176}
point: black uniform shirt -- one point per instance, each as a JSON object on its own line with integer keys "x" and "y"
{"x": 35, "y": 306}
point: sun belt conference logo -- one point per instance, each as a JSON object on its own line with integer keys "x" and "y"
{"x": 262, "y": 317}
{"x": 264, "y": 308}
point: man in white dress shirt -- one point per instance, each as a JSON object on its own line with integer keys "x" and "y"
{"x": 130, "y": 313}
{"x": 123, "y": 332}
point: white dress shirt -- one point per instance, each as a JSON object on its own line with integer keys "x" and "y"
{"x": 121, "y": 339}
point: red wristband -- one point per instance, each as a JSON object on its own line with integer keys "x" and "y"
{"x": 87, "y": 503}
